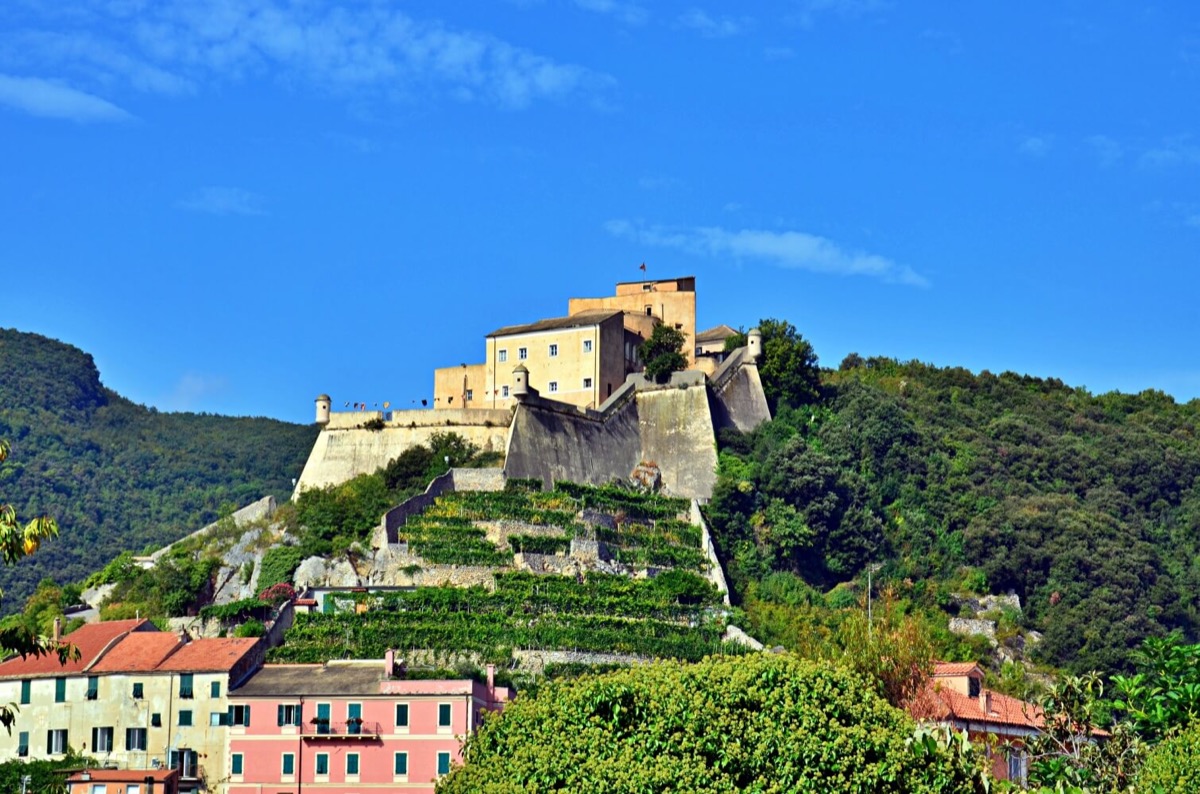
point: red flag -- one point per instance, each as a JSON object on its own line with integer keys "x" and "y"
{"x": 643, "y": 267}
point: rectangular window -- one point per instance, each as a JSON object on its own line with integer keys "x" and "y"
{"x": 443, "y": 715}
{"x": 185, "y": 718}
{"x": 288, "y": 715}
{"x": 401, "y": 764}
{"x": 235, "y": 763}
{"x": 23, "y": 744}
{"x": 56, "y": 741}
{"x": 138, "y": 691}
{"x": 25, "y": 693}
{"x": 102, "y": 740}
{"x": 502, "y": 356}
{"x": 587, "y": 345}
{"x": 133, "y": 788}
{"x": 470, "y": 394}
{"x": 185, "y": 685}
{"x": 215, "y": 689}
{"x": 522, "y": 353}
{"x": 322, "y": 763}
{"x": 239, "y": 715}
{"x": 649, "y": 311}
{"x": 289, "y": 763}
{"x": 553, "y": 351}
{"x": 93, "y": 688}
{"x": 553, "y": 385}
{"x": 135, "y": 739}
{"x": 401, "y": 715}
{"x": 443, "y": 763}
{"x": 156, "y": 720}
{"x": 503, "y": 391}
{"x": 351, "y": 763}
{"x": 322, "y": 718}
{"x": 60, "y": 690}
{"x": 218, "y": 718}
{"x": 587, "y": 383}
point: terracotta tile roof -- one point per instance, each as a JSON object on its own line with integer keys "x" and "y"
{"x": 716, "y": 334}
{"x": 138, "y": 652}
{"x": 955, "y": 668}
{"x": 593, "y": 317}
{"x": 208, "y": 655}
{"x": 91, "y": 640}
{"x": 941, "y": 703}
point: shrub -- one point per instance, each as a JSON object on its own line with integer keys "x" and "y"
{"x": 1173, "y": 766}
{"x": 251, "y": 628}
{"x": 278, "y": 565}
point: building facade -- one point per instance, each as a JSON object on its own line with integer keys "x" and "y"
{"x": 346, "y": 727}
{"x": 137, "y": 698}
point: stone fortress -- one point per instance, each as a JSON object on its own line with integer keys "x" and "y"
{"x": 564, "y": 399}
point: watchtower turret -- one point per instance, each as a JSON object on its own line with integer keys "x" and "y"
{"x": 520, "y": 387}
{"x": 754, "y": 344}
{"x": 323, "y": 404}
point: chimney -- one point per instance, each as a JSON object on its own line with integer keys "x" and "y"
{"x": 491, "y": 682}
{"x": 389, "y": 663}
{"x": 987, "y": 701}
{"x": 57, "y": 629}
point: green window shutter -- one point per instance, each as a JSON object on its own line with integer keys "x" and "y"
{"x": 279, "y": 715}
{"x": 401, "y": 763}
{"x": 49, "y": 742}
{"x": 25, "y": 693}
{"x": 354, "y": 711}
{"x": 235, "y": 763}
{"x": 185, "y": 719}
{"x": 401, "y": 715}
{"x": 296, "y": 714}
{"x": 216, "y": 689}
{"x": 93, "y": 687}
{"x": 323, "y": 711}
{"x": 246, "y": 717}
{"x": 443, "y": 763}
{"x": 138, "y": 690}
{"x": 95, "y": 735}
{"x": 322, "y": 763}
{"x": 352, "y": 764}
{"x": 23, "y": 744}
{"x": 444, "y": 715}
{"x": 289, "y": 764}
{"x": 60, "y": 690}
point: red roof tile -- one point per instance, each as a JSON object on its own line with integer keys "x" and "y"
{"x": 937, "y": 702}
{"x": 210, "y": 655}
{"x": 90, "y": 639}
{"x": 140, "y": 652}
{"x": 955, "y": 668}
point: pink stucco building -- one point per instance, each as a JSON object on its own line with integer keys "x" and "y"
{"x": 349, "y": 726}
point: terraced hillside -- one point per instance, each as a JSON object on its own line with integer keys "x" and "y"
{"x": 642, "y": 592}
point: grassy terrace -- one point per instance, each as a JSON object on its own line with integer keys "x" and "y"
{"x": 650, "y": 530}
{"x": 668, "y": 616}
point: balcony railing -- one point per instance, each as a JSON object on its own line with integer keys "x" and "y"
{"x": 347, "y": 729}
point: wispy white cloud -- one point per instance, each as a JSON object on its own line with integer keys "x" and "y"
{"x": 628, "y": 13}
{"x": 788, "y": 249}
{"x": 224, "y": 201}
{"x": 809, "y": 11}
{"x": 193, "y": 388}
{"x": 714, "y": 27}
{"x": 368, "y": 48}
{"x": 1035, "y": 145}
{"x": 51, "y": 100}
{"x": 1174, "y": 151}
{"x": 1106, "y": 150}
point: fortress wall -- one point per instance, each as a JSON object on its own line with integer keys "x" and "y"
{"x": 342, "y": 454}
{"x": 422, "y": 417}
{"x": 552, "y": 443}
{"x": 677, "y": 433}
{"x": 740, "y": 401}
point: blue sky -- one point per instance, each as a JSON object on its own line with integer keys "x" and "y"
{"x": 237, "y": 204}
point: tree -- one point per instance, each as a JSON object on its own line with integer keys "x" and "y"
{"x": 662, "y": 352}
{"x": 1173, "y": 765}
{"x": 1164, "y": 694}
{"x": 788, "y": 367}
{"x": 16, "y": 543}
{"x": 764, "y": 722}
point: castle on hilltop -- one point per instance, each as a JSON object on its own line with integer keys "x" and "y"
{"x": 564, "y": 399}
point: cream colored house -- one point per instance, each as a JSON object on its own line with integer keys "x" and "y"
{"x": 580, "y": 359}
{"x": 136, "y": 698}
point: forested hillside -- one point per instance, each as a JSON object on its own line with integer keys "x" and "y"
{"x": 117, "y": 475}
{"x": 1088, "y": 507}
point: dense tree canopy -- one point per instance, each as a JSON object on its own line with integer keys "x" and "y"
{"x": 662, "y": 352}
{"x": 765, "y": 723}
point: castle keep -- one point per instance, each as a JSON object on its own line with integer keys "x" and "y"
{"x": 564, "y": 399}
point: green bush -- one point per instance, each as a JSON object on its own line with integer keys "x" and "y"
{"x": 278, "y": 565}
{"x": 251, "y": 628}
{"x": 765, "y": 723}
{"x": 1173, "y": 767}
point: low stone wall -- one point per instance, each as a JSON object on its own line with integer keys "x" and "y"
{"x": 715, "y": 574}
{"x": 535, "y": 661}
{"x": 385, "y": 534}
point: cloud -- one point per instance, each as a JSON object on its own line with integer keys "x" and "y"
{"x": 193, "y": 388}
{"x": 1107, "y": 150}
{"x": 1035, "y": 145}
{"x": 223, "y": 201}
{"x": 628, "y": 13}
{"x": 713, "y": 27}
{"x": 807, "y": 11}
{"x": 1175, "y": 151}
{"x": 365, "y": 49}
{"x": 789, "y": 249}
{"x": 51, "y": 100}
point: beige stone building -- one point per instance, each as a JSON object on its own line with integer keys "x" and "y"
{"x": 580, "y": 359}
{"x": 136, "y": 698}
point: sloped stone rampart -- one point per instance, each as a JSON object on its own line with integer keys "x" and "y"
{"x": 715, "y": 573}
{"x": 738, "y": 399}
{"x": 263, "y": 508}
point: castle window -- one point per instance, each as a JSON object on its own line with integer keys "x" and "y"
{"x": 502, "y": 356}
{"x": 587, "y": 345}
{"x": 647, "y": 287}
{"x": 470, "y": 394}
{"x": 522, "y": 353}
{"x": 587, "y": 383}
{"x": 553, "y": 385}
{"x": 649, "y": 311}
{"x": 553, "y": 350}
{"x": 678, "y": 326}
{"x": 503, "y": 391}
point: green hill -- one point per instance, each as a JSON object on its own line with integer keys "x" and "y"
{"x": 116, "y": 475}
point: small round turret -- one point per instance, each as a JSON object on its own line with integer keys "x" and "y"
{"x": 323, "y": 404}
{"x": 754, "y": 344}
{"x": 520, "y": 386}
